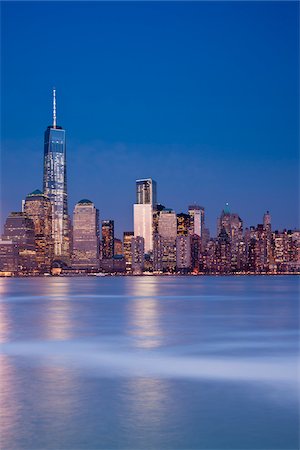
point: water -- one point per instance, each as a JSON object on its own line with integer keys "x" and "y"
{"x": 149, "y": 363}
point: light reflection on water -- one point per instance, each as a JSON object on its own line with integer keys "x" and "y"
{"x": 146, "y": 363}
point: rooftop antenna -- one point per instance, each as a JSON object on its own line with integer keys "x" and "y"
{"x": 54, "y": 108}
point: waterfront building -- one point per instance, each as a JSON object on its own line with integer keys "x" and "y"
{"x": 183, "y": 253}
{"x": 167, "y": 229}
{"x": 127, "y": 237}
{"x": 196, "y": 214}
{"x": 108, "y": 237}
{"x": 85, "y": 236}
{"x": 143, "y": 209}
{"x": 183, "y": 224}
{"x": 138, "y": 254}
{"x": 223, "y": 252}
{"x": 118, "y": 247}
{"x": 38, "y": 208}
{"x": 9, "y": 257}
{"x": 158, "y": 251}
{"x": 196, "y": 253}
{"x": 55, "y": 185}
{"x": 19, "y": 229}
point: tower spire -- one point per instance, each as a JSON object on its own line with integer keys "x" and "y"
{"x": 54, "y": 108}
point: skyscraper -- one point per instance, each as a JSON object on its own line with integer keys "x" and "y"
{"x": 127, "y": 238}
{"x": 19, "y": 229}
{"x": 196, "y": 214}
{"x": 167, "y": 228}
{"x": 55, "y": 185}
{"x": 108, "y": 236}
{"x": 143, "y": 211}
{"x": 137, "y": 250}
{"x": 38, "y": 207}
{"x": 86, "y": 235}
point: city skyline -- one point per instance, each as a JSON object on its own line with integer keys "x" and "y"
{"x": 209, "y": 122}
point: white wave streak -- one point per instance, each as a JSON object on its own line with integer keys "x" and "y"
{"x": 103, "y": 360}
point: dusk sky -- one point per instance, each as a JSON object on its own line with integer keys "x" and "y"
{"x": 202, "y": 97}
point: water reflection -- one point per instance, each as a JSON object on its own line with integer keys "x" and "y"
{"x": 57, "y": 319}
{"x": 144, "y": 314}
{"x": 9, "y": 400}
{"x": 146, "y": 409}
{"x": 5, "y": 323}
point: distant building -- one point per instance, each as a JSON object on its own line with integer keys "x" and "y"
{"x": 138, "y": 254}
{"x": 118, "y": 247}
{"x": 223, "y": 252}
{"x": 38, "y": 208}
{"x": 85, "y": 235}
{"x": 196, "y": 253}
{"x": 19, "y": 229}
{"x": 55, "y": 185}
{"x": 167, "y": 229}
{"x": 183, "y": 253}
{"x": 183, "y": 224}
{"x": 127, "y": 237}
{"x": 158, "y": 252}
{"x": 108, "y": 239}
{"x": 196, "y": 214}
{"x": 143, "y": 211}
{"x": 9, "y": 256}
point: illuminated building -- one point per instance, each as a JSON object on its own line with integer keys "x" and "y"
{"x": 127, "y": 237}
{"x": 196, "y": 214}
{"x": 196, "y": 253}
{"x": 9, "y": 256}
{"x": 158, "y": 251}
{"x": 55, "y": 185}
{"x": 223, "y": 252}
{"x": 143, "y": 211}
{"x": 138, "y": 254}
{"x": 167, "y": 229}
{"x": 85, "y": 235}
{"x": 38, "y": 207}
{"x": 108, "y": 236}
{"x": 183, "y": 224}
{"x": 183, "y": 253}
{"x": 19, "y": 229}
{"x": 118, "y": 247}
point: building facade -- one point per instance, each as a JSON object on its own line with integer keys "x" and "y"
{"x": 85, "y": 235}
{"x": 143, "y": 211}
{"x": 38, "y": 208}
{"x": 55, "y": 185}
{"x": 108, "y": 239}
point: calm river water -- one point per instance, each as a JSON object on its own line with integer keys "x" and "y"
{"x": 149, "y": 363}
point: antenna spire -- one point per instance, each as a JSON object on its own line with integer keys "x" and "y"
{"x": 54, "y": 108}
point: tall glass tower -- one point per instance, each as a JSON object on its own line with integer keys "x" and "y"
{"x": 55, "y": 185}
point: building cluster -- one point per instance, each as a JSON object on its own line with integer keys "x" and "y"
{"x": 43, "y": 239}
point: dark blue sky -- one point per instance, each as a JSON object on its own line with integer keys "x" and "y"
{"x": 203, "y": 97}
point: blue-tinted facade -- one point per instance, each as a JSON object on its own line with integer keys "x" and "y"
{"x": 55, "y": 187}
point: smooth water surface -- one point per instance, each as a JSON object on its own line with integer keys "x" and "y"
{"x": 149, "y": 363}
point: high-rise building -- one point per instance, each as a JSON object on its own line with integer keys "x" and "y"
{"x": 19, "y": 229}
{"x": 143, "y": 211}
{"x": 85, "y": 235}
{"x": 118, "y": 247}
{"x": 196, "y": 253}
{"x": 183, "y": 252}
{"x": 55, "y": 185}
{"x": 9, "y": 256}
{"x": 196, "y": 214}
{"x": 138, "y": 254}
{"x": 38, "y": 207}
{"x": 127, "y": 238}
{"x": 108, "y": 236}
{"x": 183, "y": 224}
{"x": 167, "y": 228}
